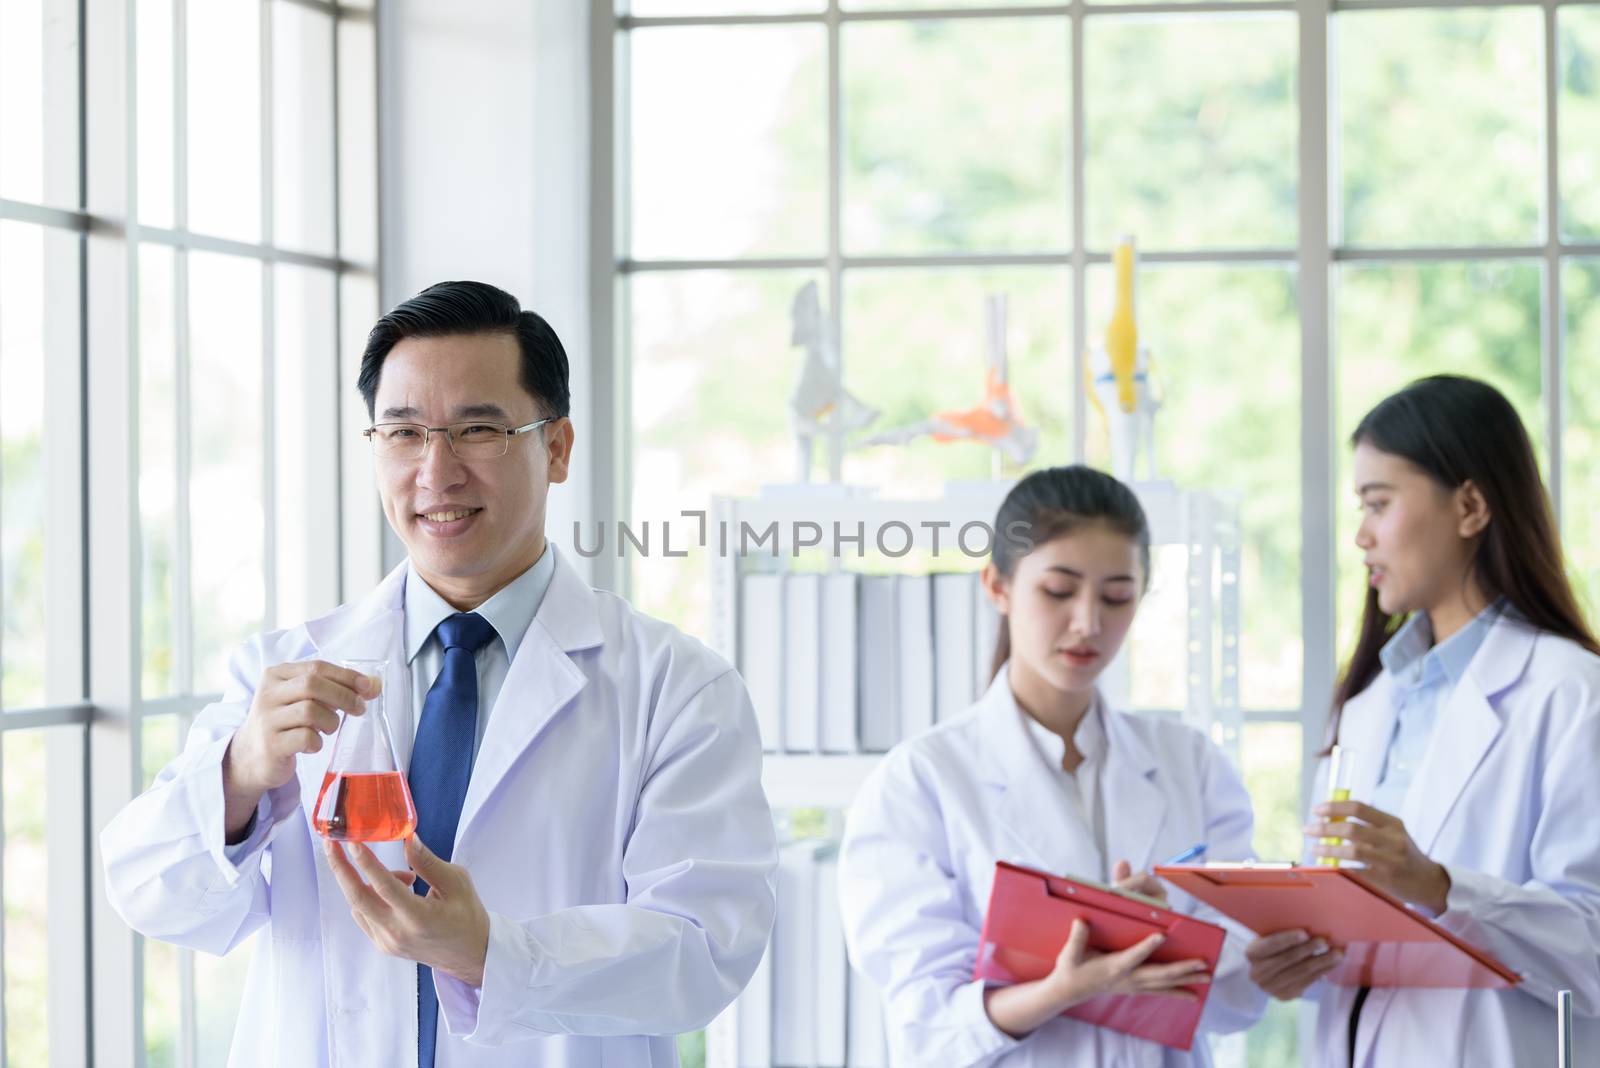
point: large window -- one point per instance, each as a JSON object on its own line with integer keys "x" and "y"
{"x": 1329, "y": 200}
{"x": 187, "y": 224}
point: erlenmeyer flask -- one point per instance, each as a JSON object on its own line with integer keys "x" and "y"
{"x": 364, "y": 797}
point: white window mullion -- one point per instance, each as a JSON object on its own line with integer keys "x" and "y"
{"x": 182, "y": 592}
{"x": 610, "y": 177}
{"x": 182, "y": 604}
{"x": 112, "y": 388}
{"x": 183, "y": 552}
{"x": 1317, "y": 186}
{"x": 269, "y": 394}
{"x": 1554, "y": 329}
{"x": 333, "y": 378}
{"x": 1319, "y": 205}
{"x": 1078, "y": 145}
{"x": 835, "y": 198}
{"x": 68, "y": 878}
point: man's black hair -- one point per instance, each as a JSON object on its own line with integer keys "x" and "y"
{"x": 447, "y": 309}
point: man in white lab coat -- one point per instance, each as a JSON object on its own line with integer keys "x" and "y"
{"x": 592, "y": 868}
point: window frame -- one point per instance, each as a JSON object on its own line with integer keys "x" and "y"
{"x": 1317, "y": 256}
{"x": 95, "y": 964}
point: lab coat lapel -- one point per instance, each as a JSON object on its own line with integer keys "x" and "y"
{"x": 1365, "y": 728}
{"x": 363, "y": 984}
{"x": 541, "y": 682}
{"x": 1465, "y": 730}
{"x": 1135, "y": 804}
{"x": 1043, "y": 831}
{"x": 1463, "y": 733}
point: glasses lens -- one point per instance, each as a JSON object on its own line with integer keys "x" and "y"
{"x": 399, "y": 439}
{"x": 478, "y": 441}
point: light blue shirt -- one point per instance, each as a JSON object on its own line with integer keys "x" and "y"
{"x": 510, "y": 612}
{"x": 1424, "y": 676}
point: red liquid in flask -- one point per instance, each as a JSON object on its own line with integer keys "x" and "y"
{"x": 366, "y": 807}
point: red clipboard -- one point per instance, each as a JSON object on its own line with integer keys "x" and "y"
{"x": 1031, "y": 914}
{"x": 1385, "y": 943}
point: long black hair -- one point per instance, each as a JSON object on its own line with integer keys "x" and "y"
{"x": 1047, "y": 504}
{"x": 1459, "y": 430}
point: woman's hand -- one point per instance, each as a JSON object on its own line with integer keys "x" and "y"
{"x": 1080, "y": 974}
{"x": 1285, "y": 963}
{"x": 1381, "y": 842}
{"x": 1123, "y": 878}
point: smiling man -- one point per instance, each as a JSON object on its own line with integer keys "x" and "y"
{"x": 591, "y": 871}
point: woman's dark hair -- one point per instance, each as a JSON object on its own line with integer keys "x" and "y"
{"x": 1049, "y": 503}
{"x": 448, "y": 309}
{"x": 1459, "y": 430}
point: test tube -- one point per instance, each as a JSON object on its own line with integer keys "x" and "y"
{"x": 1341, "y": 770}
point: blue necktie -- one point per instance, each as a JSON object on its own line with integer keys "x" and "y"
{"x": 441, "y": 764}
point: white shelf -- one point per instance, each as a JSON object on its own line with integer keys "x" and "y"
{"x": 1207, "y": 524}
{"x": 815, "y": 780}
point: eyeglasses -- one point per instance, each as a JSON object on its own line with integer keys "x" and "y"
{"x": 469, "y": 441}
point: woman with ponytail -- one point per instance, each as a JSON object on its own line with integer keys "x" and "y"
{"x": 1040, "y": 773}
{"x": 1471, "y": 707}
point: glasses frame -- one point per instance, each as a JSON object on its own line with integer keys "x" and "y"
{"x": 429, "y": 431}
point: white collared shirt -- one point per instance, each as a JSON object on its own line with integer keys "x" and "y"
{"x": 510, "y": 612}
{"x": 1081, "y": 788}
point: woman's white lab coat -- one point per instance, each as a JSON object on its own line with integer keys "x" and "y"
{"x": 614, "y": 826}
{"x": 918, "y": 860}
{"x": 1507, "y": 798}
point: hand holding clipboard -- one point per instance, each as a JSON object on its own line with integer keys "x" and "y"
{"x": 1355, "y": 929}
{"x": 1382, "y": 942}
{"x": 1037, "y": 921}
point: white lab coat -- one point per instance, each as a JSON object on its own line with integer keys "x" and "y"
{"x": 1507, "y": 798}
{"x": 614, "y": 826}
{"x": 917, "y": 865}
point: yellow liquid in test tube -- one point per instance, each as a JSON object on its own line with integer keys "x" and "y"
{"x": 1341, "y": 767}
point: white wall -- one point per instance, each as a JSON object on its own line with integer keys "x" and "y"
{"x": 484, "y": 171}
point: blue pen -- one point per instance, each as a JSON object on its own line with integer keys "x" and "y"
{"x": 1187, "y": 855}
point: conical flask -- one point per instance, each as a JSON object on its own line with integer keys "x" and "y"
{"x": 364, "y": 797}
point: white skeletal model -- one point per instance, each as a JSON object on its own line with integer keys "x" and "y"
{"x": 1125, "y": 388}
{"x": 820, "y": 403}
{"x": 1133, "y": 434}
{"x": 995, "y": 421}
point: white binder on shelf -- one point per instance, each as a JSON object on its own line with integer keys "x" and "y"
{"x": 954, "y": 636}
{"x": 753, "y": 1017}
{"x": 832, "y": 970}
{"x": 896, "y": 694}
{"x": 761, "y": 652}
{"x": 839, "y": 652}
{"x": 878, "y": 694}
{"x": 986, "y": 629}
{"x": 794, "y": 939}
{"x": 869, "y": 1041}
{"x": 914, "y": 635}
{"x": 802, "y": 676}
